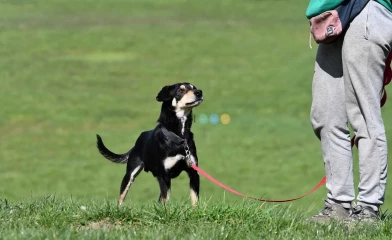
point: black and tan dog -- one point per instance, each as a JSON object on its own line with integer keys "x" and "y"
{"x": 169, "y": 148}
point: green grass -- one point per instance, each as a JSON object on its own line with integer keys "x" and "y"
{"x": 60, "y": 218}
{"x": 71, "y": 69}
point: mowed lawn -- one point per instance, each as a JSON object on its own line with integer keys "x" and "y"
{"x": 71, "y": 69}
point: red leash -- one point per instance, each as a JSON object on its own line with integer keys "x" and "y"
{"x": 387, "y": 80}
{"x": 243, "y": 195}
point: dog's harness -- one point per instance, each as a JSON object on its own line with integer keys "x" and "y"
{"x": 178, "y": 140}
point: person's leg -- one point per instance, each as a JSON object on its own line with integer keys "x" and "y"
{"x": 330, "y": 123}
{"x": 365, "y": 48}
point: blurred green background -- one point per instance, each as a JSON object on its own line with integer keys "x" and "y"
{"x": 71, "y": 69}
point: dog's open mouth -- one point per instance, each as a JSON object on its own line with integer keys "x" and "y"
{"x": 194, "y": 103}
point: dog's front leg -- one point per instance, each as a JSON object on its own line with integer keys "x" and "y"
{"x": 194, "y": 184}
{"x": 164, "y": 185}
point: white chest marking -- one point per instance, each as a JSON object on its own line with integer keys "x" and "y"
{"x": 183, "y": 119}
{"x": 171, "y": 161}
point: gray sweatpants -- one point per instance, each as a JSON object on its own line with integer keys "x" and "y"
{"x": 347, "y": 88}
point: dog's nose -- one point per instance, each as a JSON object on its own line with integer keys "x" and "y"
{"x": 198, "y": 93}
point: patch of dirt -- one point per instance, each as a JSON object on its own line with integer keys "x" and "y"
{"x": 101, "y": 224}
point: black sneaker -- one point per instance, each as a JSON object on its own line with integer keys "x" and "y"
{"x": 333, "y": 211}
{"x": 367, "y": 214}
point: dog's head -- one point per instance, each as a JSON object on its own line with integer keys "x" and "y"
{"x": 181, "y": 95}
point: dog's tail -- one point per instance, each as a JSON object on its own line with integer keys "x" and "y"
{"x": 117, "y": 158}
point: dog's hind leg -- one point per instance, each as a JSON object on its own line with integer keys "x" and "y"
{"x": 133, "y": 169}
{"x": 164, "y": 185}
{"x": 194, "y": 184}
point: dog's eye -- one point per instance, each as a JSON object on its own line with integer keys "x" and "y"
{"x": 181, "y": 90}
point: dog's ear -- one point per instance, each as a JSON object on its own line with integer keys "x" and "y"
{"x": 165, "y": 94}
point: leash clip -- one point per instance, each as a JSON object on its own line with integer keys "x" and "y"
{"x": 188, "y": 154}
{"x": 187, "y": 151}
